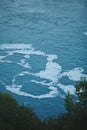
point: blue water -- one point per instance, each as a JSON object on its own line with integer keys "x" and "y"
{"x": 43, "y": 51}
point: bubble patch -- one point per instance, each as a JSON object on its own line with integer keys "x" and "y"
{"x": 49, "y": 76}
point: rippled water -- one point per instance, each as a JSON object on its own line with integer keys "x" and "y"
{"x": 43, "y": 51}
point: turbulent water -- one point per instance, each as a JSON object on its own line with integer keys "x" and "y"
{"x": 43, "y": 51}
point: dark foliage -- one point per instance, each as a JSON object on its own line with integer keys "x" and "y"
{"x": 76, "y": 116}
{"x": 18, "y": 117}
{"x": 15, "y": 117}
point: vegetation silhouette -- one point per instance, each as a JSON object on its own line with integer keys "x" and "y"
{"x": 19, "y": 117}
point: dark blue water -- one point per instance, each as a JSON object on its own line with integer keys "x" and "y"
{"x": 43, "y": 51}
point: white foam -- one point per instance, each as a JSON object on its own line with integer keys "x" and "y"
{"x": 51, "y": 72}
{"x": 29, "y": 52}
{"x": 5, "y": 61}
{"x": 26, "y": 49}
{"x": 42, "y": 82}
{"x": 16, "y": 46}
{"x": 27, "y": 56}
{"x": 39, "y": 53}
{"x": 67, "y": 88}
{"x": 2, "y": 57}
{"x": 2, "y": 83}
{"x": 51, "y": 94}
{"x": 21, "y": 74}
{"x": 17, "y": 90}
{"x": 24, "y": 64}
{"x": 23, "y": 61}
{"x": 54, "y": 90}
{"x": 51, "y": 57}
{"x": 85, "y": 33}
{"x": 10, "y": 53}
{"x": 75, "y": 74}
